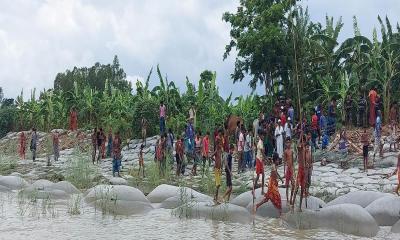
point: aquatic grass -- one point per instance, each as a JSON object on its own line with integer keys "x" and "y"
{"x": 185, "y": 210}
{"x": 75, "y": 204}
{"x": 32, "y": 204}
{"x": 105, "y": 200}
{"x": 80, "y": 171}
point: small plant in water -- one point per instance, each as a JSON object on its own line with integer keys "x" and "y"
{"x": 74, "y": 204}
{"x": 80, "y": 171}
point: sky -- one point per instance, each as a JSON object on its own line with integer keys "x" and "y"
{"x": 39, "y": 38}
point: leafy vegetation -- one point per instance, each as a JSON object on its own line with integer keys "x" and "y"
{"x": 276, "y": 43}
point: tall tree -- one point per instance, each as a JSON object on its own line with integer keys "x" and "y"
{"x": 258, "y": 35}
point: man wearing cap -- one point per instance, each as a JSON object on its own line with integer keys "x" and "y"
{"x": 279, "y": 139}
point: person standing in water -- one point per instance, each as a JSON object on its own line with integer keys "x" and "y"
{"x": 259, "y": 163}
{"x": 56, "y": 143}
{"x": 301, "y": 177}
{"x": 22, "y": 145}
{"x": 34, "y": 141}
{"x": 289, "y": 173}
{"x": 116, "y": 154}
{"x": 273, "y": 194}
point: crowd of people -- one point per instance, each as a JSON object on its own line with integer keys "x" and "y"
{"x": 272, "y": 139}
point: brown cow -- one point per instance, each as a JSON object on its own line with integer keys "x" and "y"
{"x": 231, "y": 123}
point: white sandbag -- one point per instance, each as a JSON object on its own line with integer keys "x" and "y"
{"x": 115, "y": 192}
{"x": 345, "y": 218}
{"x": 4, "y": 189}
{"x": 65, "y": 186}
{"x": 165, "y": 191}
{"x": 122, "y": 207}
{"x": 361, "y": 198}
{"x": 396, "y": 227}
{"x": 386, "y": 210}
{"x": 270, "y": 211}
{"x": 221, "y": 212}
{"x": 33, "y": 192}
{"x": 118, "y": 181}
{"x": 13, "y": 182}
{"x": 42, "y": 183}
{"x": 176, "y": 201}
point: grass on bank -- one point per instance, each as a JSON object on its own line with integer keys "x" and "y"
{"x": 80, "y": 171}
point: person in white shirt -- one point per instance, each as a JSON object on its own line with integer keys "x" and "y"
{"x": 240, "y": 148}
{"x": 279, "y": 139}
{"x": 192, "y": 114}
{"x": 248, "y": 147}
{"x": 288, "y": 129}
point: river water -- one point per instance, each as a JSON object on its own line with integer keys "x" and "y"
{"x": 22, "y": 220}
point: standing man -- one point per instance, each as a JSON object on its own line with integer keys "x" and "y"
{"x": 109, "y": 144}
{"x": 289, "y": 173}
{"x": 362, "y": 106}
{"x": 372, "y": 95}
{"x": 94, "y": 144}
{"x": 279, "y": 139}
{"x": 301, "y": 177}
{"x": 100, "y": 140}
{"x": 56, "y": 143}
{"x": 314, "y": 130}
{"x": 116, "y": 154}
{"x": 163, "y": 115}
{"x": 34, "y": 140}
{"x": 259, "y": 164}
{"x": 348, "y": 109}
{"x": 73, "y": 119}
{"x": 332, "y": 117}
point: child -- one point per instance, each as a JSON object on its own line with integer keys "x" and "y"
{"x": 309, "y": 168}
{"x": 325, "y": 140}
{"x": 197, "y": 152}
{"x": 109, "y": 144}
{"x": 218, "y": 164}
{"x": 141, "y": 160}
{"x": 228, "y": 173}
{"x": 397, "y": 171}
{"x": 289, "y": 173}
{"x": 116, "y": 154}
{"x": 392, "y": 137}
{"x": 273, "y": 190}
{"x": 365, "y": 142}
{"x": 205, "y": 151}
{"x": 260, "y": 156}
{"x": 161, "y": 154}
{"x": 179, "y": 149}
{"x": 144, "y": 124}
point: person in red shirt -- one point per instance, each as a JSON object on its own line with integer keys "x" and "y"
{"x": 372, "y": 104}
{"x": 283, "y": 118}
{"x": 73, "y": 120}
{"x": 22, "y": 145}
{"x": 205, "y": 152}
{"x": 314, "y": 130}
{"x": 179, "y": 152}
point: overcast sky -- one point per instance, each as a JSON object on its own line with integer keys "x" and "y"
{"x": 40, "y": 38}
